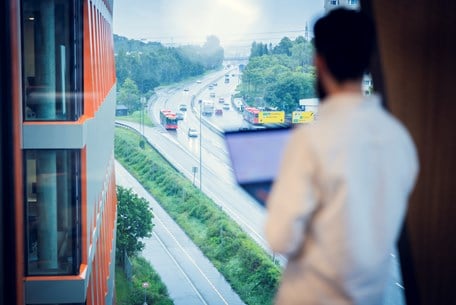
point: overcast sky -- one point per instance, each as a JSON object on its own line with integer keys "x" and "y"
{"x": 235, "y": 22}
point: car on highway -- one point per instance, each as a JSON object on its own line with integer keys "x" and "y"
{"x": 183, "y": 107}
{"x": 212, "y": 94}
{"x": 221, "y": 100}
{"x": 218, "y": 111}
{"x": 186, "y": 89}
{"x": 179, "y": 115}
{"x": 198, "y": 82}
{"x": 226, "y": 106}
{"x": 192, "y": 132}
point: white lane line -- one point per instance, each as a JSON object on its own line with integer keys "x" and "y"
{"x": 193, "y": 262}
{"x": 179, "y": 266}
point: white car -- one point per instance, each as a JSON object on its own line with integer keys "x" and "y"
{"x": 179, "y": 115}
{"x": 192, "y": 132}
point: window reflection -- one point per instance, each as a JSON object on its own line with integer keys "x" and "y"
{"x": 51, "y": 73}
{"x": 52, "y": 211}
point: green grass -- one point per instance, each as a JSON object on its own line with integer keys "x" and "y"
{"x": 136, "y": 117}
{"x": 250, "y": 271}
{"x": 132, "y": 293}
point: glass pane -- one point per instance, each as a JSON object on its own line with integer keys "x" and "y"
{"x": 48, "y": 60}
{"x": 51, "y": 207}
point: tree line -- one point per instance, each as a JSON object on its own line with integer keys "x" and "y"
{"x": 143, "y": 66}
{"x": 279, "y": 76}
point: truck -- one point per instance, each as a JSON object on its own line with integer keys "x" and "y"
{"x": 207, "y": 107}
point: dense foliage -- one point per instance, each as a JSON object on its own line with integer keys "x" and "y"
{"x": 279, "y": 76}
{"x": 134, "y": 221}
{"x": 132, "y": 293}
{"x": 141, "y": 66}
{"x": 247, "y": 267}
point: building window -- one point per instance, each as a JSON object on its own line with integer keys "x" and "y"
{"x": 334, "y": 2}
{"x": 52, "y": 209}
{"x": 51, "y": 60}
{"x": 352, "y": 2}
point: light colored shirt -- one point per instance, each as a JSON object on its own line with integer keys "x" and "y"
{"x": 338, "y": 203}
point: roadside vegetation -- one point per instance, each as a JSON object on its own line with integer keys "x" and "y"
{"x": 137, "y": 117}
{"x": 131, "y": 292}
{"x": 279, "y": 76}
{"x": 250, "y": 271}
{"x": 134, "y": 222}
{"x": 143, "y": 66}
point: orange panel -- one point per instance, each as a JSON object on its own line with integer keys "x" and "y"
{"x": 17, "y": 140}
{"x": 88, "y": 88}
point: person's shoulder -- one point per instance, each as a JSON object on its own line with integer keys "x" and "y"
{"x": 303, "y": 130}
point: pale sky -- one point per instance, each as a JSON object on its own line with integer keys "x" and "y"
{"x": 235, "y": 22}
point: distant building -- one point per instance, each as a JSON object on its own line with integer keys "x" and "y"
{"x": 332, "y": 4}
{"x": 309, "y": 104}
{"x": 121, "y": 110}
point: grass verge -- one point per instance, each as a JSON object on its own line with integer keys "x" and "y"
{"x": 136, "y": 117}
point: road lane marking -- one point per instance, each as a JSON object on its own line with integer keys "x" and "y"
{"x": 180, "y": 267}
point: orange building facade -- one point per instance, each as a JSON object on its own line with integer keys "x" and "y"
{"x": 62, "y": 90}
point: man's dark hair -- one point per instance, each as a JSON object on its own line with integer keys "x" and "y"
{"x": 345, "y": 39}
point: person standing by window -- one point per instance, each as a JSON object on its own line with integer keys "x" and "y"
{"x": 339, "y": 201}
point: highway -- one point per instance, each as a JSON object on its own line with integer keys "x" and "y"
{"x": 214, "y": 173}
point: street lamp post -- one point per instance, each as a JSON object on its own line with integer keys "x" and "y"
{"x": 145, "y": 285}
{"x": 143, "y": 104}
{"x": 200, "y": 144}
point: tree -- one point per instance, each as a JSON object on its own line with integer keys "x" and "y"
{"x": 258, "y": 49}
{"x": 289, "y": 89}
{"x": 129, "y": 95}
{"x": 134, "y": 221}
{"x": 283, "y": 47}
{"x": 213, "y": 53}
{"x": 302, "y": 53}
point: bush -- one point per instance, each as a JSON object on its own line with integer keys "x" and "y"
{"x": 132, "y": 293}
